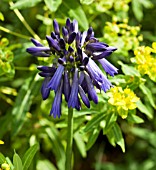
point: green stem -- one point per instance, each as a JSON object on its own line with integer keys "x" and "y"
{"x": 69, "y": 140}
{"x": 14, "y": 33}
{"x": 21, "y": 18}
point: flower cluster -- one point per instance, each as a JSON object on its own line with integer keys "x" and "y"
{"x": 124, "y": 100}
{"x": 74, "y": 71}
{"x": 122, "y": 35}
{"x": 146, "y": 63}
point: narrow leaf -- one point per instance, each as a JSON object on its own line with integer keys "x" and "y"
{"x": 129, "y": 70}
{"x": 53, "y": 4}
{"x": 58, "y": 148}
{"x": 21, "y": 4}
{"x": 45, "y": 164}
{"x": 23, "y": 102}
{"x": 2, "y": 158}
{"x": 134, "y": 118}
{"x": 137, "y": 9}
{"x": 118, "y": 136}
{"x": 92, "y": 138}
{"x": 29, "y": 155}
{"x": 148, "y": 93}
{"x": 94, "y": 122}
{"x": 75, "y": 11}
{"x": 80, "y": 144}
{"x": 17, "y": 162}
{"x": 144, "y": 109}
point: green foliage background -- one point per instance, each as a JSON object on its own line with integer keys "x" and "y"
{"x": 120, "y": 132}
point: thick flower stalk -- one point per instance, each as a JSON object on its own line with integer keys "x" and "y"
{"x": 74, "y": 72}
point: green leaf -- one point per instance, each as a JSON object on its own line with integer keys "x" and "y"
{"x": 87, "y": 2}
{"x": 21, "y": 4}
{"x": 137, "y": 9}
{"x": 145, "y": 134}
{"x": 110, "y": 119}
{"x": 80, "y": 144}
{"x": 45, "y": 164}
{"x": 58, "y": 148}
{"x": 147, "y": 3}
{"x": 23, "y": 102}
{"x": 144, "y": 109}
{"x": 53, "y": 4}
{"x": 148, "y": 94}
{"x": 5, "y": 123}
{"x": 92, "y": 138}
{"x": 95, "y": 121}
{"x": 115, "y": 136}
{"x": 1, "y": 17}
{"x": 134, "y": 118}
{"x": 17, "y": 162}
{"x": 29, "y": 155}
{"x": 75, "y": 11}
{"x": 2, "y": 158}
{"x": 118, "y": 136}
{"x": 129, "y": 70}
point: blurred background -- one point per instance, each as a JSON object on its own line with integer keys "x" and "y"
{"x": 106, "y": 137}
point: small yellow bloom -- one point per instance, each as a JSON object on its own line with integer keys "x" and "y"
{"x": 124, "y": 100}
{"x": 146, "y": 63}
{"x": 5, "y": 166}
{"x": 1, "y": 142}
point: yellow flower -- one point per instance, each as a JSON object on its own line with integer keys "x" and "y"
{"x": 146, "y": 63}
{"x": 124, "y": 100}
{"x": 5, "y": 166}
{"x": 1, "y": 142}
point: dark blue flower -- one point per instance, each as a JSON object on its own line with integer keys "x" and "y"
{"x": 73, "y": 99}
{"x": 75, "y": 72}
{"x": 56, "y": 107}
{"x": 54, "y": 83}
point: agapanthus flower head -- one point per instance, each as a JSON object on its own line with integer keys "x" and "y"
{"x": 76, "y": 73}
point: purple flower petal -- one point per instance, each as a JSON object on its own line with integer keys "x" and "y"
{"x": 53, "y": 43}
{"x": 44, "y": 90}
{"x": 96, "y": 47}
{"x": 56, "y": 27}
{"x": 56, "y": 79}
{"x": 66, "y": 86}
{"x": 108, "y": 67}
{"x": 72, "y": 102}
{"x": 89, "y": 33}
{"x": 32, "y": 50}
{"x": 53, "y": 35}
{"x": 110, "y": 48}
{"x": 36, "y": 43}
{"x": 40, "y": 54}
{"x": 71, "y": 37}
{"x": 81, "y": 78}
{"x": 77, "y": 40}
{"x": 98, "y": 76}
{"x": 46, "y": 69}
{"x": 84, "y": 97}
{"x": 102, "y": 55}
{"x": 84, "y": 34}
{"x": 78, "y": 104}
{"x": 75, "y": 25}
{"x": 62, "y": 43}
{"x": 68, "y": 24}
{"x": 91, "y": 90}
{"x": 56, "y": 107}
{"x": 43, "y": 74}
